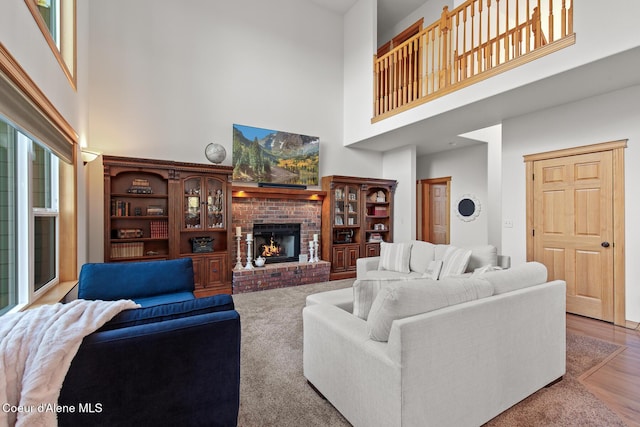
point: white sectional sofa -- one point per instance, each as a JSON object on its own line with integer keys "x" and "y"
{"x": 454, "y": 352}
{"x": 420, "y": 254}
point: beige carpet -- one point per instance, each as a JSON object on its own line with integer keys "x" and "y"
{"x": 274, "y": 392}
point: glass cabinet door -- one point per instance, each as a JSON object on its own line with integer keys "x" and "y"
{"x": 339, "y": 196}
{"x": 346, "y": 205}
{"x": 192, "y": 203}
{"x": 215, "y": 204}
{"x": 352, "y": 206}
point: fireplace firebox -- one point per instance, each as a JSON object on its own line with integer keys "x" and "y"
{"x": 277, "y": 242}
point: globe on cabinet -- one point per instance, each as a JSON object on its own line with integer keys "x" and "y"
{"x": 215, "y": 153}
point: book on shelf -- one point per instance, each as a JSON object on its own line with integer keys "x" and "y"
{"x": 120, "y": 208}
{"x": 380, "y": 211}
{"x": 155, "y": 210}
{"x": 159, "y": 229}
{"x": 140, "y": 186}
{"x": 127, "y": 250}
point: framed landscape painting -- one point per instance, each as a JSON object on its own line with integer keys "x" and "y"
{"x": 271, "y": 156}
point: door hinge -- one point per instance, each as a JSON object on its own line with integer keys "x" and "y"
{"x": 533, "y": 232}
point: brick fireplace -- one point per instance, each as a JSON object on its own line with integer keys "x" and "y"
{"x": 276, "y": 206}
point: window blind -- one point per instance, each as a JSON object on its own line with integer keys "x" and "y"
{"x": 22, "y": 113}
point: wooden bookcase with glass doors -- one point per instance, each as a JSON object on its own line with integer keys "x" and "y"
{"x": 357, "y": 215}
{"x": 158, "y": 210}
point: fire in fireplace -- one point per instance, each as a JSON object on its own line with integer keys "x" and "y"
{"x": 277, "y": 242}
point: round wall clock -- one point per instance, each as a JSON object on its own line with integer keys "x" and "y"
{"x": 215, "y": 153}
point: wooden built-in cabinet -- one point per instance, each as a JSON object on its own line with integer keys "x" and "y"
{"x": 357, "y": 214}
{"x": 156, "y": 209}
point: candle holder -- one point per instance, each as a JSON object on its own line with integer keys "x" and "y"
{"x": 238, "y": 257}
{"x": 311, "y": 251}
{"x": 249, "y": 265}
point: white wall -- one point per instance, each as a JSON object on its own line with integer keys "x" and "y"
{"x": 605, "y": 118}
{"x": 493, "y": 137}
{"x": 467, "y": 168}
{"x": 360, "y": 24}
{"x": 399, "y": 165}
{"x": 169, "y": 77}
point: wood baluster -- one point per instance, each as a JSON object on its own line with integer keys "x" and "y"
{"x": 551, "y": 21}
{"x": 570, "y": 19}
{"x": 375, "y": 86}
{"x": 433, "y": 62}
{"x": 405, "y": 71}
{"x": 394, "y": 78}
{"x": 517, "y": 34}
{"x": 507, "y": 56}
{"x": 473, "y": 38}
{"x": 480, "y": 52}
{"x": 563, "y": 19}
{"x": 420, "y": 47}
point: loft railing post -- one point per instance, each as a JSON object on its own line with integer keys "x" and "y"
{"x": 445, "y": 22}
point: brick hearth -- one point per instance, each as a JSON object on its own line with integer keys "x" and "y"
{"x": 253, "y": 205}
{"x": 280, "y": 275}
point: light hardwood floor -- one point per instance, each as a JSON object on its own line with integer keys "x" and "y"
{"x": 616, "y": 381}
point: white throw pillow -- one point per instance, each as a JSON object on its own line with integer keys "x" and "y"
{"x": 395, "y": 256}
{"x": 433, "y": 270}
{"x": 400, "y": 300}
{"x": 454, "y": 261}
{"x": 481, "y": 256}
{"x": 365, "y": 292}
{"x": 422, "y": 253}
{"x": 478, "y": 272}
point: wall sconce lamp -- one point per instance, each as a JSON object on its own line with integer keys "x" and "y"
{"x": 89, "y": 155}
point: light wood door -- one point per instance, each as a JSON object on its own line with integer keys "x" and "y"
{"x": 439, "y": 224}
{"x": 573, "y": 229}
{"x": 433, "y": 210}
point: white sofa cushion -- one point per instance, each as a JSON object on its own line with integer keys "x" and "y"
{"x": 522, "y": 276}
{"x": 395, "y": 256}
{"x": 422, "y": 253}
{"x": 433, "y": 270}
{"x": 482, "y": 256}
{"x": 366, "y": 290}
{"x": 455, "y": 261}
{"x": 400, "y": 300}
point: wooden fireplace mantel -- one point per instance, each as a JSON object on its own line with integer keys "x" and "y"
{"x": 277, "y": 193}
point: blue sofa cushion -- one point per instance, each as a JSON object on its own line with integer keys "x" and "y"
{"x": 135, "y": 280}
{"x": 165, "y": 299}
{"x": 175, "y": 310}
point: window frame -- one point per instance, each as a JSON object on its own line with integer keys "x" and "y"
{"x": 66, "y": 54}
{"x": 25, "y": 218}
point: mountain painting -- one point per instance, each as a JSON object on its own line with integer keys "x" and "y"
{"x": 264, "y": 155}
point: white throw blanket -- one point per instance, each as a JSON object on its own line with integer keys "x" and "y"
{"x": 36, "y": 350}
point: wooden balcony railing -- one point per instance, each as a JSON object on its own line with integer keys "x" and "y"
{"x": 476, "y": 40}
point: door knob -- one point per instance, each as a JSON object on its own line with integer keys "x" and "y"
{"x": 604, "y": 244}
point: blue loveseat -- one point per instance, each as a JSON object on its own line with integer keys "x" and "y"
{"x": 147, "y": 283}
{"x": 173, "y": 362}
